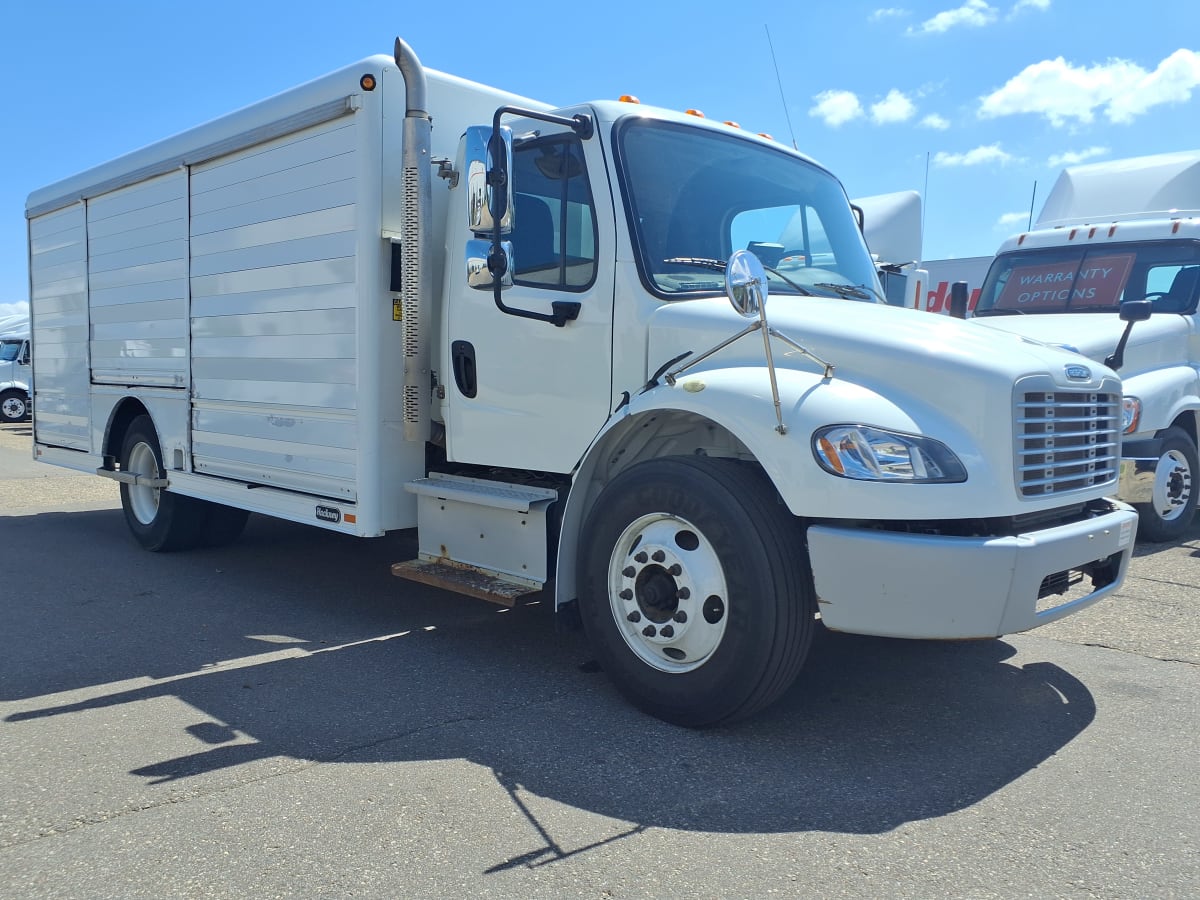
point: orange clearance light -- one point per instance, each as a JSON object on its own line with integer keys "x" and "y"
{"x": 628, "y": 98}
{"x": 763, "y": 134}
{"x": 694, "y": 112}
{"x": 367, "y": 82}
{"x": 732, "y": 124}
{"x": 350, "y": 519}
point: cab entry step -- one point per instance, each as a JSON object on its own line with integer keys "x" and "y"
{"x": 485, "y": 539}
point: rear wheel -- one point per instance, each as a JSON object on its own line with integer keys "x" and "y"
{"x": 158, "y": 519}
{"x": 1169, "y": 514}
{"x": 695, "y": 591}
{"x": 14, "y": 406}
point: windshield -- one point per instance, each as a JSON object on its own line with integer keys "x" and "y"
{"x": 1090, "y": 280}
{"x": 9, "y": 350}
{"x": 695, "y": 196}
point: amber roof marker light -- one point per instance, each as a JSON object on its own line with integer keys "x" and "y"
{"x": 367, "y": 82}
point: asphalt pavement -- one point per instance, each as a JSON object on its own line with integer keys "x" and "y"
{"x": 283, "y": 718}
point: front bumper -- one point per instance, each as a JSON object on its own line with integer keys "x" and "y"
{"x": 940, "y": 587}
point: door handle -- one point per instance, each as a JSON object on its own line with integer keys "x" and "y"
{"x": 462, "y": 360}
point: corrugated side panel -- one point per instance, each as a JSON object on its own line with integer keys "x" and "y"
{"x": 273, "y": 313}
{"x": 58, "y": 273}
{"x": 137, "y": 281}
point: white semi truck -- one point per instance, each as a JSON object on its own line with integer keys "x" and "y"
{"x": 1113, "y": 237}
{"x": 393, "y": 299}
{"x": 14, "y": 371}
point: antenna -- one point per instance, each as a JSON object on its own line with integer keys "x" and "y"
{"x": 1031, "y": 201}
{"x": 782, "y": 98}
{"x": 925, "y": 197}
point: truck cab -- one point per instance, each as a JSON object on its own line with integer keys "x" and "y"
{"x": 14, "y": 377}
{"x": 1110, "y": 234}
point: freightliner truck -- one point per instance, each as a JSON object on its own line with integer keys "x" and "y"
{"x": 392, "y": 299}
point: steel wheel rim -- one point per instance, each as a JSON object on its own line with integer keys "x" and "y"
{"x": 143, "y": 501}
{"x": 667, "y": 592}
{"x": 1172, "y": 485}
{"x": 14, "y": 407}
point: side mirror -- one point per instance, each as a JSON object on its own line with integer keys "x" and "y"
{"x": 479, "y": 274}
{"x": 489, "y": 187}
{"x": 958, "y": 300}
{"x": 1136, "y": 310}
{"x": 746, "y": 283}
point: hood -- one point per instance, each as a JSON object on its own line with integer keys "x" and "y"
{"x": 1161, "y": 340}
{"x": 873, "y": 344}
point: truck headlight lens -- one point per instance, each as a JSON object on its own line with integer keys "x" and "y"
{"x": 873, "y": 454}
{"x": 1131, "y": 414}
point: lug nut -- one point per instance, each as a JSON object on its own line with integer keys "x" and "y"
{"x": 680, "y": 616}
{"x": 629, "y": 571}
{"x": 658, "y": 556}
{"x": 649, "y": 631}
{"x": 640, "y": 556}
{"x": 634, "y": 616}
{"x": 668, "y": 631}
{"x": 676, "y": 569}
{"x": 626, "y": 594}
{"x": 682, "y": 594}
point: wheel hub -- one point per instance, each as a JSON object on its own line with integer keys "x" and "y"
{"x": 667, "y": 591}
{"x": 1172, "y": 485}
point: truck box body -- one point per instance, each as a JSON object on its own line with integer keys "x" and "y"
{"x": 236, "y": 274}
{"x": 391, "y": 298}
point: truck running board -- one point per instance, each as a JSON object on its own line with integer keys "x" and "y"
{"x": 486, "y": 539}
{"x": 469, "y": 580}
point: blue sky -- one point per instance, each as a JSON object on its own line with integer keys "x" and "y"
{"x": 976, "y": 99}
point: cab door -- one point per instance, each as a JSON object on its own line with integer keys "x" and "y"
{"x": 520, "y": 392}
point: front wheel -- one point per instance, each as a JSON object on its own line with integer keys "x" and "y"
{"x": 14, "y": 406}
{"x": 695, "y": 589}
{"x": 1167, "y": 516}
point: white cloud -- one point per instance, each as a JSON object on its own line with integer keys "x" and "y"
{"x": 895, "y": 107}
{"x": 936, "y": 122}
{"x": 1123, "y": 90}
{"x": 1012, "y": 219}
{"x": 836, "y": 107}
{"x": 1075, "y": 157}
{"x": 1041, "y": 5}
{"x": 890, "y": 12}
{"x": 978, "y": 157}
{"x": 972, "y": 14}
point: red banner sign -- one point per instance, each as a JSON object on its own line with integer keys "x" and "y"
{"x": 1098, "y": 282}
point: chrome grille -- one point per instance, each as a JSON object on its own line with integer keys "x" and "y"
{"x": 1066, "y": 440}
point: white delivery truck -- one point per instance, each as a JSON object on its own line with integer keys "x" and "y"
{"x": 14, "y": 371}
{"x": 1112, "y": 237}
{"x": 393, "y": 299}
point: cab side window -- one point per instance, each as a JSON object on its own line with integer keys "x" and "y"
{"x": 554, "y": 217}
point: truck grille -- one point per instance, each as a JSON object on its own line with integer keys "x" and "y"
{"x": 1066, "y": 440}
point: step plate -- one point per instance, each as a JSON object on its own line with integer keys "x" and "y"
{"x": 463, "y": 580}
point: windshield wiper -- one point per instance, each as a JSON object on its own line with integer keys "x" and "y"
{"x": 857, "y": 291}
{"x": 1006, "y": 311}
{"x": 719, "y": 265}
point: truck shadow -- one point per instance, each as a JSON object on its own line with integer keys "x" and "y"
{"x": 293, "y": 644}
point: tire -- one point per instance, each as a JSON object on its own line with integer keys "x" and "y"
{"x": 1169, "y": 515}
{"x": 159, "y": 520}
{"x": 695, "y": 589}
{"x": 222, "y": 524}
{"x": 14, "y": 406}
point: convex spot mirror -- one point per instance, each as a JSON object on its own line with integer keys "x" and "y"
{"x": 487, "y": 201}
{"x": 746, "y": 283}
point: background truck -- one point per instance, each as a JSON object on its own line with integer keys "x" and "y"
{"x": 14, "y": 371}
{"x": 1111, "y": 233}
{"x": 537, "y": 336}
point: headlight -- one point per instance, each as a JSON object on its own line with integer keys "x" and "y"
{"x": 872, "y": 454}
{"x": 1131, "y": 414}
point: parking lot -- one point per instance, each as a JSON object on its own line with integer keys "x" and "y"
{"x": 282, "y": 717}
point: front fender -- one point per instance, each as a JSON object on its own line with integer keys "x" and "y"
{"x": 737, "y": 402}
{"x": 1166, "y": 394}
